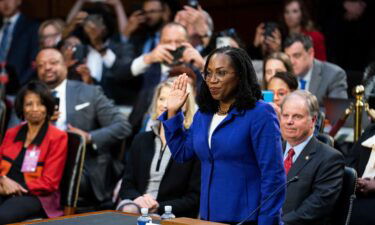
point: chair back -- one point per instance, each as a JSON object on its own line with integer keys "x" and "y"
{"x": 72, "y": 173}
{"x": 326, "y": 139}
{"x": 343, "y": 206}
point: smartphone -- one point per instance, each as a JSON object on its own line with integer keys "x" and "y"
{"x": 267, "y": 96}
{"x": 57, "y": 103}
{"x": 193, "y": 4}
{"x": 222, "y": 42}
{"x": 80, "y": 53}
{"x": 269, "y": 28}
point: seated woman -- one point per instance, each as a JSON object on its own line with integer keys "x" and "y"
{"x": 152, "y": 178}
{"x": 32, "y": 159}
{"x": 275, "y": 62}
{"x": 282, "y": 83}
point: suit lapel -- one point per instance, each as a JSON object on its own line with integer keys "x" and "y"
{"x": 315, "y": 77}
{"x": 17, "y": 32}
{"x": 71, "y": 100}
{"x": 303, "y": 159}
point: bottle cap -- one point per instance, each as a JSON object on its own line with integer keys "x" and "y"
{"x": 144, "y": 211}
{"x": 168, "y": 208}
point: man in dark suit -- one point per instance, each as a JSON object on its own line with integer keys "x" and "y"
{"x": 317, "y": 168}
{"x": 322, "y": 79}
{"x": 84, "y": 109}
{"x": 18, "y": 44}
{"x": 154, "y": 67}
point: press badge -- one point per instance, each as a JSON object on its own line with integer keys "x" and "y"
{"x": 31, "y": 160}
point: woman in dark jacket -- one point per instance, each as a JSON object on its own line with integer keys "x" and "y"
{"x": 152, "y": 178}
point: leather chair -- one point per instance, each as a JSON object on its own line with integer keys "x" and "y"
{"x": 72, "y": 173}
{"x": 343, "y": 206}
{"x": 326, "y": 139}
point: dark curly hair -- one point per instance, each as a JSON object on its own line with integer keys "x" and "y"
{"x": 42, "y": 91}
{"x": 248, "y": 89}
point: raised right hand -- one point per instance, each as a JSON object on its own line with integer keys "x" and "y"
{"x": 178, "y": 95}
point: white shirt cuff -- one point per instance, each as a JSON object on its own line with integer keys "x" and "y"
{"x": 109, "y": 58}
{"x": 139, "y": 66}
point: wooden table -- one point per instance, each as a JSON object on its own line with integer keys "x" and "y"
{"x": 113, "y": 217}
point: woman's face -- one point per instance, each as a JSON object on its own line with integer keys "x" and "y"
{"x": 279, "y": 88}
{"x": 272, "y": 67}
{"x": 33, "y": 109}
{"x": 221, "y": 78}
{"x": 292, "y": 14}
{"x": 161, "y": 102}
{"x": 50, "y": 36}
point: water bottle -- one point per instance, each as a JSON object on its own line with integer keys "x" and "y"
{"x": 168, "y": 215}
{"x": 144, "y": 218}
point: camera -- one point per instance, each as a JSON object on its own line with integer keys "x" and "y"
{"x": 193, "y": 3}
{"x": 177, "y": 55}
{"x": 269, "y": 28}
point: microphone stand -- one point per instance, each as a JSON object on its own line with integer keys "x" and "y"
{"x": 268, "y": 198}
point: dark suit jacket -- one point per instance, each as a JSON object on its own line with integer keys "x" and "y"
{"x": 359, "y": 155}
{"x": 311, "y": 198}
{"x": 116, "y": 81}
{"x": 180, "y": 185}
{"x": 107, "y": 127}
{"x": 22, "y": 53}
{"x": 328, "y": 80}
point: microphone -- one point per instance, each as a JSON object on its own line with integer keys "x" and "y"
{"x": 293, "y": 179}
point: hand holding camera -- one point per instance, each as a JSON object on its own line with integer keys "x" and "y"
{"x": 161, "y": 53}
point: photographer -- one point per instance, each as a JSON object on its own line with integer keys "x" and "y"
{"x": 267, "y": 40}
{"x": 173, "y": 49}
{"x": 198, "y": 23}
{"x": 75, "y": 53}
{"x": 106, "y": 58}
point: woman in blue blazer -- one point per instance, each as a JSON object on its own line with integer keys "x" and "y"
{"x": 237, "y": 138}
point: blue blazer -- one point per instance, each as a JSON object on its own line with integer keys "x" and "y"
{"x": 241, "y": 169}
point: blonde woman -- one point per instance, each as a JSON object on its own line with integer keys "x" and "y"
{"x": 152, "y": 178}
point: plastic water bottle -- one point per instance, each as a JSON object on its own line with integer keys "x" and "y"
{"x": 168, "y": 215}
{"x": 144, "y": 218}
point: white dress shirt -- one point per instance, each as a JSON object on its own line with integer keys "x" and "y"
{"x": 297, "y": 149}
{"x": 370, "y": 167}
{"x": 139, "y": 67}
{"x": 61, "y": 122}
{"x": 95, "y": 62}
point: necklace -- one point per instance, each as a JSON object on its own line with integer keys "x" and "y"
{"x": 221, "y": 112}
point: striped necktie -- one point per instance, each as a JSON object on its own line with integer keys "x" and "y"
{"x": 4, "y": 44}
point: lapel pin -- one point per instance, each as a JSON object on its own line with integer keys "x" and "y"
{"x": 307, "y": 158}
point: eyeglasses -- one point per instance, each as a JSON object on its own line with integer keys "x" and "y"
{"x": 219, "y": 75}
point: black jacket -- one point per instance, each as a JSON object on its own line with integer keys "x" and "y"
{"x": 180, "y": 185}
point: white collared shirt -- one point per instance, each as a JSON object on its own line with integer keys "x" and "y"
{"x": 61, "y": 122}
{"x": 95, "y": 62}
{"x": 297, "y": 149}
{"x": 370, "y": 166}
{"x": 307, "y": 78}
{"x": 13, "y": 21}
{"x": 139, "y": 67}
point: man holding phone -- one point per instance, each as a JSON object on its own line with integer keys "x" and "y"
{"x": 173, "y": 49}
